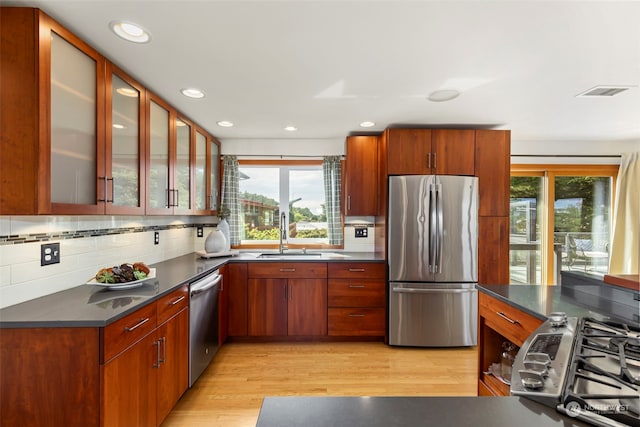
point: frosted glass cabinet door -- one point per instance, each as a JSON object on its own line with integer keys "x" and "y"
{"x": 214, "y": 177}
{"x": 125, "y": 140}
{"x": 200, "y": 172}
{"x": 73, "y": 124}
{"x": 183, "y": 167}
{"x": 159, "y": 157}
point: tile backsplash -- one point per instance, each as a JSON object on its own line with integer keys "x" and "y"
{"x": 87, "y": 243}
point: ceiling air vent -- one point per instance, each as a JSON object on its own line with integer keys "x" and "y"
{"x": 603, "y": 91}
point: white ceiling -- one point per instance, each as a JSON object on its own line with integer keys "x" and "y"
{"x": 326, "y": 66}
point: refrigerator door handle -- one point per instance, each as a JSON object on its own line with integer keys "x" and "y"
{"x": 439, "y": 232}
{"x": 431, "y": 291}
{"x": 432, "y": 229}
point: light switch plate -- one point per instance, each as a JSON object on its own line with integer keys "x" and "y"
{"x": 361, "y": 232}
{"x": 156, "y": 238}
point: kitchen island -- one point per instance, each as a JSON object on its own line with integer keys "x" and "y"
{"x": 408, "y": 411}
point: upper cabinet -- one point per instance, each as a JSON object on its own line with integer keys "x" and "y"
{"x": 124, "y": 180}
{"x": 430, "y": 151}
{"x": 493, "y": 163}
{"x": 52, "y": 98}
{"x": 361, "y": 179}
{"x": 88, "y": 138}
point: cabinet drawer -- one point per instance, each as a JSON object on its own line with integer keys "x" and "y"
{"x": 126, "y": 331}
{"x": 285, "y": 270}
{"x": 356, "y": 321}
{"x": 349, "y": 270}
{"x": 507, "y": 320}
{"x": 356, "y": 293}
{"x": 169, "y": 305}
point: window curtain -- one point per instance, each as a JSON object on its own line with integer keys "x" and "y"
{"x": 231, "y": 196}
{"x": 332, "y": 169}
{"x": 626, "y": 224}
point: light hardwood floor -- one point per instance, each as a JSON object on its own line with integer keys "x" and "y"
{"x": 230, "y": 391}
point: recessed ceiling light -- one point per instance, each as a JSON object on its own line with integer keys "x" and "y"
{"x": 225, "y": 124}
{"x": 130, "y": 31}
{"x": 127, "y": 91}
{"x": 443, "y": 95}
{"x": 291, "y": 128}
{"x": 191, "y": 92}
{"x": 367, "y": 124}
{"x": 118, "y": 126}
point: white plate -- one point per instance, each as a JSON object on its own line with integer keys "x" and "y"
{"x": 204, "y": 254}
{"x": 127, "y": 285}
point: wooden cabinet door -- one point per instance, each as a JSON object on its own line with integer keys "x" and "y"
{"x": 160, "y": 119}
{"x": 129, "y": 386}
{"x": 361, "y": 181}
{"x": 408, "y": 151}
{"x": 173, "y": 372}
{"x": 493, "y": 250}
{"x": 307, "y": 307}
{"x": 223, "y": 306}
{"x": 493, "y": 151}
{"x": 236, "y": 284}
{"x": 453, "y": 152}
{"x": 267, "y": 307}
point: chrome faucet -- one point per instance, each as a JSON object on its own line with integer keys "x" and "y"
{"x": 283, "y": 231}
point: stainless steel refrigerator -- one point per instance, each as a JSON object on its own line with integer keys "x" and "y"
{"x": 433, "y": 260}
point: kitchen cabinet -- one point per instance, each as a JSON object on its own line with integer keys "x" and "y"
{"x": 361, "y": 178}
{"x": 356, "y": 299}
{"x": 237, "y": 289}
{"x": 493, "y": 169}
{"x": 493, "y": 250}
{"x": 498, "y": 322}
{"x": 123, "y": 184}
{"x": 430, "y": 151}
{"x": 52, "y": 98}
{"x": 287, "y": 299}
{"x": 223, "y": 305}
{"x": 143, "y": 382}
{"x": 213, "y": 172}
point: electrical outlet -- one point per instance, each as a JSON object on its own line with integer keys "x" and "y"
{"x": 156, "y": 238}
{"x": 200, "y": 232}
{"x": 361, "y": 232}
{"x": 49, "y": 254}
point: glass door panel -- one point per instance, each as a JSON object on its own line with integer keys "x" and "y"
{"x": 159, "y": 157}
{"x": 525, "y": 230}
{"x": 183, "y": 179}
{"x": 582, "y": 215}
{"x": 214, "y": 160}
{"x": 73, "y": 124}
{"x": 125, "y": 137}
{"x": 200, "y": 172}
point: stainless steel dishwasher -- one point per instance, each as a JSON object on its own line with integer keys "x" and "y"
{"x": 203, "y": 323}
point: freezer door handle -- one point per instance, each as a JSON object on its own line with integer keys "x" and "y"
{"x": 432, "y": 229}
{"x": 439, "y": 229}
{"x": 432, "y": 291}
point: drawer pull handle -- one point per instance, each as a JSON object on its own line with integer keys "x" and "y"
{"x": 356, "y": 315}
{"x": 137, "y": 325}
{"x": 177, "y": 300}
{"x": 356, "y": 286}
{"x": 287, "y": 270}
{"x": 507, "y": 318}
{"x": 356, "y": 270}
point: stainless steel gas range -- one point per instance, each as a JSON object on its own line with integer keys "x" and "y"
{"x": 585, "y": 368}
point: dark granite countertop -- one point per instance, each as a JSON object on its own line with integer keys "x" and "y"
{"x": 93, "y": 306}
{"x": 409, "y": 411}
{"x": 540, "y": 301}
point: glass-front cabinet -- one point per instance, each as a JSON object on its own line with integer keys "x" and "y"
{"x": 214, "y": 175}
{"x": 88, "y": 137}
{"x": 123, "y": 184}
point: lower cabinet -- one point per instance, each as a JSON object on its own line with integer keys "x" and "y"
{"x": 142, "y": 383}
{"x": 498, "y": 322}
{"x": 287, "y": 299}
{"x": 356, "y": 299}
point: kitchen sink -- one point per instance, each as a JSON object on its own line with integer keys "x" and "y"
{"x": 301, "y": 255}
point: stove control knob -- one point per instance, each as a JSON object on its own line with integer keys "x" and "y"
{"x": 558, "y": 319}
{"x": 531, "y": 379}
{"x": 542, "y": 358}
{"x": 536, "y": 366}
